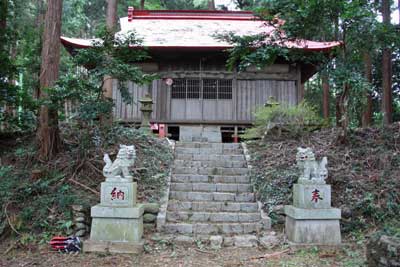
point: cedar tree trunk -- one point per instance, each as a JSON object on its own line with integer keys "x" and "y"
{"x": 48, "y": 135}
{"x": 111, "y": 20}
{"x": 325, "y": 96}
{"x": 386, "y": 70}
{"x": 211, "y": 5}
{"x": 367, "y": 114}
{"x": 3, "y": 15}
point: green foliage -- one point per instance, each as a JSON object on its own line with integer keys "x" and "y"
{"x": 103, "y": 59}
{"x": 352, "y": 22}
{"x": 294, "y": 120}
{"x": 44, "y": 196}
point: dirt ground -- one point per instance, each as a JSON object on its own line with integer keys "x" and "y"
{"x": 167, "y": 254}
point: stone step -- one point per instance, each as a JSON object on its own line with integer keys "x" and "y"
{"x": 213, "y": 228}
{"x": 194, "y": 178}
{"x": 208, "y": 151}
{"x": 210, "y": 171}
{"x": 208, "y": 145}
{"x": 216, "y": 217}
{"x": 211, "y": 187}
{"x": 211, "y": 196}
{"x": 209, "y": 157}
{"x": 174, "y": 205}
{"x": 178, "y": 163}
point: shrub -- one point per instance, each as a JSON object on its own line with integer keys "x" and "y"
{"x": 293, "y": 120}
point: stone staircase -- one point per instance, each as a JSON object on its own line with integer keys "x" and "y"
{"x": 210, "y": 192}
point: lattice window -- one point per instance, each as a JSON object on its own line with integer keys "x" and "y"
{"x": 210, "y": 87}
{"x": 225, "y": 89}
{"x": 178, "y": 89}
{"x": 193, "y": 89}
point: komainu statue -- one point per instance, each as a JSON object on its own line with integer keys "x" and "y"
{"x": 119, "y": 169}
{"x": 312, "y": 172}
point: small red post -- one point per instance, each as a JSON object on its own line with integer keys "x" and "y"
{"x": 235, "y": 135}
{"x": 161, "y": 130}
{"x": 130, "y": 13}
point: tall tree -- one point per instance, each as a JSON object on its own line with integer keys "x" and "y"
{"x": 3, "y": 14}
{"x": 111, "y": 21}
{"x": 325, "y": 96}
{"x": 211, "y": 5}
{"x": 386, "y": 69}
{"x": 48, "y": 135}
{"x": 367, "y": 114}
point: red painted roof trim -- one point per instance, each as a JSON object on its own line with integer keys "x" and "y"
{"x": 190, "y": 14}
{"x": 145, "y": 12}
{"x": 194, "y": 17}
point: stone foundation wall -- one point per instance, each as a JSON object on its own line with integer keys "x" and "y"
{"x": 383, "y": 251}
{"x": 150, "y": 215}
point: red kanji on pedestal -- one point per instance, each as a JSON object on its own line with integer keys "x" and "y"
{"x": 316, "y": 196}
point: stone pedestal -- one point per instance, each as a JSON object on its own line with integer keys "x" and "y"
{"x": 311, "y": 219}
{"x": 117, "y": 222}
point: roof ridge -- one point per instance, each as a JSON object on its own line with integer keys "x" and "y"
{"x": 189, "y": 14}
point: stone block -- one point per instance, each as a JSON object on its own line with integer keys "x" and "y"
{"x": 309, "y": 214}
{"x": 177, "y": 216}
{"x": 196, "y": 196}
{"x": 206, "y": 206}
{"x": 224, "y": 179}
{"x": 265, "y": 221}
{"x": 227, "y": 187}
{"x": 224, "y": 196}
{"x": 207, "y": 187}
{"x": 113, "y": 247}
{"x": 239, "y": 164}
{"x": 242, "y": 179}
{"x": 230, "y": 206}
{"x": 246, "y": 241}
{"x": 149, "y": 218}
{"x": 229, "y": 241}
{"x": 179, "y": 205}
{"x": 199, "y": 217}
{"x": 313, "y": 231}
{"x": 253, "y": 227}
{"x": 205, "y": 229}
{"x": 178, "y": 195}
{"x": 121, "y": 194}
{"x": 244, "y": 197}
{"x": 383, "y": 251}
{"x": 309, "y": 196}
{"x": 232, "y": 228}
{"x": 248, "y": 207}
{"x": 216, "y": 241}
{"x": 244, "y": 188}
{"x": 269, "y": 241}
{"x": 224, "y": 217}
{"x": 101, "y": 211}
{"x": 184, "y": 239}
{"x": 181, "y": 228}
{"x": 181, "y": 186}
{"x": 151, "y": 207}
{"x": 117, "y": 229}
{"x": 248, "y": 217}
